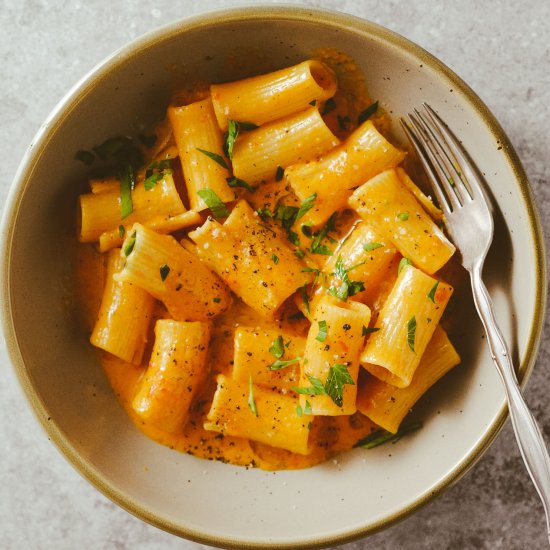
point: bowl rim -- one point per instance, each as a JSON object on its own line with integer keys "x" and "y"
{"x": 124, "y": 54}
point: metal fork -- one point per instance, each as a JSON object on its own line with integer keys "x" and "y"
{"x": 469, "y": 222}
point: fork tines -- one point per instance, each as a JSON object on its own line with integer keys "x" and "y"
{"x": 445, "y": 160}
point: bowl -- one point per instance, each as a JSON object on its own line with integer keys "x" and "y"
{"x": 358, "y": 492}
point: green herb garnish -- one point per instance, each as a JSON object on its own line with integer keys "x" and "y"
{"x": 247, "y": 126}
{"x": 348, "y": 287}
{"x": 305, "y": 297}
{"x": 127, "y": 183}
{"x": 281, "y": 364}
{"x": 313, "y": 103}
{"x": 367, "y": 113}
{"x": 237, "y": 182}
{"x": 216, "y": 205}
{"x": 275, "y": 258}
{"x": 121, "y": 231}
{"x": 403, "y": 262}
{"x": 431, "y": 294}
{"x": 379, "y": 437}
{"x": 330, "y": 105}
{"x": 230, "y": 137}
{"x": 368, "y": 330}
{"x": 277, "y": 347}
{"x": 130, "y": 243}
{"x": 251, "y": 402}
{"x": 322, "y": 334}
{"x": 372, "y": 246}
{"x": 216, "y": 300}
{"x": 316, "y": 388}
{"x": 164, "y": 270}
{"x": 403, "y": 216}
{"x": 338, "y": 376}
{"x": 215, "y": 157}
{"x": 280, "y": 172}
{"x": 306, "y": 205}
{"x": 411, "y": 332}
{"x": 307, "y": 408}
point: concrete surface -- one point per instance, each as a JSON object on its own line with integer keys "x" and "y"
{"x": 502, "y": 49}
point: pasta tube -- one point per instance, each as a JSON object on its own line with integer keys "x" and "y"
{"x": 245, "y": 410}
{"x": 275, "y": 95}
{"x": 424, "y": 200}
{"x": 387, "y": 405}
{"x": 175, "y": 373}
{"x": 361, "y": 156}
{"x": 159, "y": 265}
{"x": 257, "y": 349}
{"x": 394, "y": 212}
{"x": 298, "y": 138}
{"x": 195, "y": 128}
{"x": 251, "y": 258}
{"x": 124, "y": 316}
{"x": 406, "y": 323}
{"x": 333, "y": 346}
{"x": 99, "y": 213}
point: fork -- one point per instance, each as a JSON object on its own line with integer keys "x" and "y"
{"x": 468, "y": 220}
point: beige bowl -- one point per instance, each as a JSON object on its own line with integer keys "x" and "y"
{"x": 359, "y": 492}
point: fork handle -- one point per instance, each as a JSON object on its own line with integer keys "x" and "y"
{"x": 528, "y": 434}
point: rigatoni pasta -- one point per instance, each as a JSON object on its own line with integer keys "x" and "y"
{"x": 291, "y": 278}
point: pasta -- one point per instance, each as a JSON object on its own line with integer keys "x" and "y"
{"x": 262, "y": 291}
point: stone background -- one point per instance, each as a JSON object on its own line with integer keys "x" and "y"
{"x": 502, "y": 49}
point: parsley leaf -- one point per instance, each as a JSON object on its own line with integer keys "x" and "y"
{"x": 305, "y": 206}
{"x": 275, "y": 258}
{"x": 130, "y": 243}
{"x": 215, "y": 157}
{"x": 264, "y": 213}
{"x": 411, "y": 332}
{"x": 237, "y": 182}
{"x": 121, "y": 231}
{"x": 307, "y": 408}
{"x": 322, "y": 334}
{"x": 403, "y": 216}
{"x": 316, "y": 246}
{"x": 402, "y": 264}
{"x": 379, "y": 437}
{"x": 216, "y": 205}
{"x": 277, "y": 347}
{"x": 367, "y": 113}
{"x": 230, "y": 137}
{"x": 316, "y": 388}
{"x": 246, "y": 126}
{"x": 338, "y": 376}
{"x": 372, "y": 246}
{"x": 279, "y": 173}
{"x": 251, "y": 402}
{"x": 127, "y": 183}
{"x": 347, "y": 288}
{"x": 305, "y": 297}
{"x": 431, "y": 294}
{"x": 164, "y": 270}
{"x": 281, "y": 364}
{"x": 368, "y": 330}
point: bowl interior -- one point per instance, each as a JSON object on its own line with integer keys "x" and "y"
{"x": 217, "y": 503}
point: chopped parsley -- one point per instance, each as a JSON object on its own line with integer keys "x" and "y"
{"x": 275, "y": 258}
{"x": 215, "y": 157}
{"x": 403, "y": 216}
{"x": 316, "y": 388}
{"x": 305, "y": 297}
{"x": 127, "y": 183}
{"x": 316, "y": 246}
{"x": 237, "y": 182}
{"x": 379, "y": 437}
{"x": 368, "y": 330}
{"x": 230, "y": 137}
{"x": 348, "y": 287}
{"x": 372, "y": 246}
{"x": 431, "y": 294}
{"x": 281, "y": 364}
{"x": 279, "y": 173}
{"x": 247, "y": 126}
{"x": 264, "y": 213}
{"x": 251, "y": 402}
{"x": 216, "y": 300}
{"x": 367, "y": 113}
{"x": 403, "y": 262}
{"x": 129, "y": 245}
{"x": 322, "y": 334}
{"x": 277, "y": 347}
{"x": 305, "y": 206}
{"x": 313, "y": 103}
{"x": 121, "y": 231}
{"x": 411, "y": 332}
{"x": 307, "y": 408}
{"x": 164, "y": 270}
{"x": 338, "y": 376}
{"x": 156, "y": 171}
{"x": 216, "y": 205}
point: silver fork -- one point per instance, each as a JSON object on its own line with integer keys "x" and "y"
{"x": 469, "y": 222}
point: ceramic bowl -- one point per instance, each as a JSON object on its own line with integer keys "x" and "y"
{"x": 360, "y": 491}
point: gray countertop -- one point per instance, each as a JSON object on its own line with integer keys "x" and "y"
{"x": 500, "y": 48}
